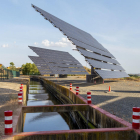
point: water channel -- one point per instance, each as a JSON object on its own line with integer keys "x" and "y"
{"x": 48, "y": 121}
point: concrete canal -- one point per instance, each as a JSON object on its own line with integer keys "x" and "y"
{"x": 47, "y": 121}
{"x": 51, "y": 111}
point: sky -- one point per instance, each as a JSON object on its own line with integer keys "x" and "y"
{"x": 113, "y": 23}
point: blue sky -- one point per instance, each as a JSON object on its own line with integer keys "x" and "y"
{"x": 115, "y": 24}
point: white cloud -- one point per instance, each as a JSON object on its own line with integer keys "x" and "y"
{"x": 5, "y": 45}
{"x": 64, "y": 42}
{"x": 14, "y": 42}
{"x": 46, "y": 43}
{"x": 35, "y": 43}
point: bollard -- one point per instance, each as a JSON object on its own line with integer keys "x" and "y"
{"x": 8, "y": 122}
{"x": 70, "y": 86}
{"x": 109, "y": 88}
{"x": 22, "y": 86}
{"x": 94, "y": 81}
{"x": 21, "y": 90}
{"x": 77, "y": 90}
{"x": 136, "y": 117}
{"x": 20, "y": 98}
{"x": 89, "y": 97}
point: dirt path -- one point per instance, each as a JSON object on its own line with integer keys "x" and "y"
{"x": 9, "y": 98}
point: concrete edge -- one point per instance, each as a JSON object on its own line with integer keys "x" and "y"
{"x": 127, "y": 124}
{"x": 73, "y": 131}
{"x": 106, "y": 113}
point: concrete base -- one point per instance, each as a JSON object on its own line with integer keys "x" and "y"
{"x": 89, "y": 79}
{"x": 62, "y": 75}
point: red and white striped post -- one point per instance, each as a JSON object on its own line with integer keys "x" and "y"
{"x": 21, "y": 90}
{"x": 89, "y": 97}
{"x": 19, "y": 98}
{"x": 70, "y": 86}
{"x": 77, "y": 90}
{"x": 136, "y": 118}
{"x": 22, "y": 86}
{"x": 8, "y": 122}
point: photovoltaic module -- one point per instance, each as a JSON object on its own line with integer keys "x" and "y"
{"x": 56, "y": 62}
{"x": 103, "y": 62}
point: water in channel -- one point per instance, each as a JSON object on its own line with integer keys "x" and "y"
{"x": 48, "y": 121}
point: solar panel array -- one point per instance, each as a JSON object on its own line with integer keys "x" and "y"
{"x": 41, "y": 65}
{"x": 103, "y": 62}
{"x": 56, "y": 62}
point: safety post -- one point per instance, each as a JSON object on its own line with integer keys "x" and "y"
{"x": 20, "y": 95}
{"x": 22, "y": 86}
{"x": 89, "y": 97}
{"x": 136, "y": 118}
{"x": 70, "y": 86}
{"x": 8, "y": 122}
{"x": 77, "y": 90}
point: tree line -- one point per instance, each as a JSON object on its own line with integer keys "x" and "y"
{"x": 26, "y": 69}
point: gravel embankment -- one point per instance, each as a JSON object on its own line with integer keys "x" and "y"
{"x": 124, "y": 95}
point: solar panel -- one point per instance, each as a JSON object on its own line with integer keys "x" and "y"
{"x": 109, "y": 74}
{"x": 70, "y": 30}
{"x": 56, "y": 62}
{"x": 90, "y": 48}
{"x": 97, "y": 57}
{"x": 98, "y": 64}
{"x": 95, "y": 54}
{"x": 41, "y": 65}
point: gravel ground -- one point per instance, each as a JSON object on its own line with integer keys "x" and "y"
{"x": 124, "y": 95}
{"x": 8, "y": 98}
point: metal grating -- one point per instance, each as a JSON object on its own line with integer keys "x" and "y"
{"x": 95, "y": 54}
{"x": 56, "y": 62}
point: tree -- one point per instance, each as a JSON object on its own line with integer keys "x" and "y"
{"x": 12, "y": 66}
{"x": 29, "y": 69}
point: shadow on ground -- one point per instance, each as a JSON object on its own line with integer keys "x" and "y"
{"x": 97, "y": 99}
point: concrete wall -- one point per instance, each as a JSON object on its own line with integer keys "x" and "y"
{"x": 62, "y": 92}
{"x": 100, "y": 134}
{"x": 54, "y": 108}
